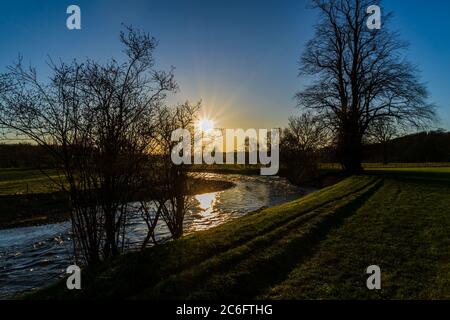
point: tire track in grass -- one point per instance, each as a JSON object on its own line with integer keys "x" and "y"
{"x": 310, "y": 276}
{"x": 403, "y": 228}
{"x": 263, "y": 260}
{"x": 176, "y": 256}
{"x": 132, "y": 273}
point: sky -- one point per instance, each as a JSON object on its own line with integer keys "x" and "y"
{"x": 240, "y": 57}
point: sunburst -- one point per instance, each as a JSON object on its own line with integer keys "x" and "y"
{"x": 206, "y": 125}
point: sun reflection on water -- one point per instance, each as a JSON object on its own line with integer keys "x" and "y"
{"x": 206, "y": 201}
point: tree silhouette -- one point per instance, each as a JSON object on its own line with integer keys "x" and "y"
{"x": 358, "y": 76}
{"x": 98, "y": 121}
{"x": 382, "y": 131}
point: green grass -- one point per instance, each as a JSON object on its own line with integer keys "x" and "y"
{"x": 26, "y": 181}
{"x": 29, "y": 197}
{"x": 392, "y": 165}
{"x": 317, "y": 247}
{"x": 135, "y": 272}
{"x": 434, "y": 174}
{"x": 403, "y": 228}
{"x": 424, "y": 171}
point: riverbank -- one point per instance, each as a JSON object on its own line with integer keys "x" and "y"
{"x": 327, "y": 176}
{"x": 27, "y": 197}
{"x": 37, "y": 256}
{"x": 317, "y": 247}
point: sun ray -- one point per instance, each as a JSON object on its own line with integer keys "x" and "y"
{"x": 205, "y": 124}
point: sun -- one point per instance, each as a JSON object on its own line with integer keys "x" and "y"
{"x": 205, "y": 124}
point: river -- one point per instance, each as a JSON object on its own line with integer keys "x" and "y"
{"x": 34, "y": 257}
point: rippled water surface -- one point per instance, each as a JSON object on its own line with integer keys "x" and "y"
{"x": 34, "y": 257}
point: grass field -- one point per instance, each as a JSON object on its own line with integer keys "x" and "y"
{"x": 26, "y": 181}
{"x": 317, "y": 247}
{"x": 29, "y": 197}
{"x": 393, "y": 165}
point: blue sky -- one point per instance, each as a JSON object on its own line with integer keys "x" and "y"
{"x": 238, "y": 56}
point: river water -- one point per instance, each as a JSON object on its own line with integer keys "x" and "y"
{"x": 33, "y": 257}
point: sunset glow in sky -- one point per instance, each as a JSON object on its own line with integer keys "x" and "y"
{"x": 239, "y": 57}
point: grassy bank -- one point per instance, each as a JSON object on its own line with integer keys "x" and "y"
{"x": 315, "y": 247}
{"x": 403, "y": 227}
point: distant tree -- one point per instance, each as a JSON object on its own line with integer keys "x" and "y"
{"x": 300, "y": 146}
{"x": 24, "y": 155}
{"x": 432, "y": 146}
{"x": 172, "y": 197}
{"x": 383, "y": 131}
{"x": 358, "y": 76}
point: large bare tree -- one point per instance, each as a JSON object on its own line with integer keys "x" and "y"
{"x": 98, "y": 120}
{"x": 359, "y": 75}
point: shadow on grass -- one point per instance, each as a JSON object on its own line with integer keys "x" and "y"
{"x": 260, "y": 269}
{"x": 426, "y": 177}
{"x": 264, "y": 276}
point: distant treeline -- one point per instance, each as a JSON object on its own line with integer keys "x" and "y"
{"x": 433, "y": 146}
{"x": 24, "y": 156}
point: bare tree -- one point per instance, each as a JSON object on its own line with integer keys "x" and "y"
{"x": 171, "y": 193}
{"x": 359, "y": 75}
{"x": 382, "y": 131}
{"x": 301, "y": 143}
{"x": 174, "y": 198}
{"x": 98, "y": 121}
{"x": 151, "y": 219}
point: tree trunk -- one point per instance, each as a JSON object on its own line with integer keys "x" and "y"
{"x": 385, "y": 153}
{"x": 179, "y": 216}
{"x": 350, "y": 149}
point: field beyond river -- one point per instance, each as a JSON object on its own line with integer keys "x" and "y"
{"x": 316, "y": 247}
{"x": 30, "y": 197}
